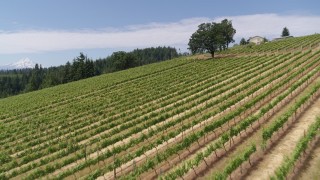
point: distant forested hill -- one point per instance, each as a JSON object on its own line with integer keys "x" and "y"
{"x": 13, "y": 82}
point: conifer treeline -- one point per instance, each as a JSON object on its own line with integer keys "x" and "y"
{"x": 14, "y": 82}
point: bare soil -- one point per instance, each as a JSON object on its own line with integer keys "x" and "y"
{"x": 311, "y": 167}
{"x": 175, "y": 160}
{"x": 265, "y": 168}
{"x": 254, "y": 137}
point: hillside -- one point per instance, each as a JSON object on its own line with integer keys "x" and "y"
{"x": 240, "y": 115}
{"x": 26, "y": 76}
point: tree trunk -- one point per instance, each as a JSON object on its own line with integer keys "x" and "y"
{"x": 212, "y": 55}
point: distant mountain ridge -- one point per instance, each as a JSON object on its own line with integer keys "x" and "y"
{"x": 21, "y": 64}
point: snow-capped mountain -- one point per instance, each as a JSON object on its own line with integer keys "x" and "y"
{"x": 21, "y": 64}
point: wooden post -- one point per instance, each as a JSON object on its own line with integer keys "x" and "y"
{"x": 114, "y": 168}
{"x": 85, "y": 152}
{"x": 134, "y": 165}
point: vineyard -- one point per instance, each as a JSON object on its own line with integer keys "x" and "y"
{"x": 251, "y": 113}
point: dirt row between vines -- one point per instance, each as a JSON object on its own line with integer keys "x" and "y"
{"x": 91, "y": 125}
{"x": 85, "y": 141}
{"x": 90, "y": 156}
{"x": 176, "y": 139}
{"x": 172, "y": 104}
{"x": 144, "y": 131}
{"x": 238, "y": 141}
{"x": 130, "y": 163}
{"x": 203, "y": 168}
{"x": 128, "y": 166}
{"x": 285, "y": 146}
{"x": 256, "y": 158}
{"x": 65, "y": 136}
{"x": 308, "y": 166}
{"x": 208, "y": 138}
{"x": 314, "y": 47}
{"x": 82, "y": 115}
{"x": 87, "y": 114}
{"x": 251, "y": 112}
{"x": 97, "y": 152}
{"x": 90, "y": 93}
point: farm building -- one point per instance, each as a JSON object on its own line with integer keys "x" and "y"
{"x": 256, "y": 40}
{"x": 282, "y": 38}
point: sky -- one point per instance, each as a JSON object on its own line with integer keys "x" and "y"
{"x": 52, "y": 32}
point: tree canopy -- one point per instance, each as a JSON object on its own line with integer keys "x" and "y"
{"x": 122, "y": 60}
{"x": 243, "y": 41}
{"x": 212, "y": 36}
{"x": 14, "y": 82}
{"x": 285, "y": 32}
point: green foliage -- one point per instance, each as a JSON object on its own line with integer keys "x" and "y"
{"x": 4, "y": 158}
{"x": 36, "y": 78}
{"x": 212, "y": 36}
{"x": 276, "y": 125}
{"x": 48, "y": 133}
{"x": 14, "y": 82}
{"x": 122, "y": 60}
{"x": 285, "y": 32}
{"x": 284, "y": 45}
{"x": 289, "y": 162}
{"x": 243, "y": 41}
{"x": 225, "y": 137}
{"x": 235, "y": 163}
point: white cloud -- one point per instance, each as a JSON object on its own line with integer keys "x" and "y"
{"x": 271, "y": 25}
{"x": 154, "y": 34}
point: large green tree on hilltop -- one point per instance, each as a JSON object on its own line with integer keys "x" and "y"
{"x": 227, "y": 31}
{"x": 212, "y": 36}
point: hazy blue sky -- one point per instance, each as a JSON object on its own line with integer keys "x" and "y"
{"x": 52, "y": 32}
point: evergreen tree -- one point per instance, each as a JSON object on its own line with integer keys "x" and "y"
{"x": 89, "y": 68}
{"x": 18, "y": 81}
{"x": 78, "y": 68}
{"x": 67, "y": 73}
{"x": 285, "y": 32}
{"x": 36, "y": 78}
